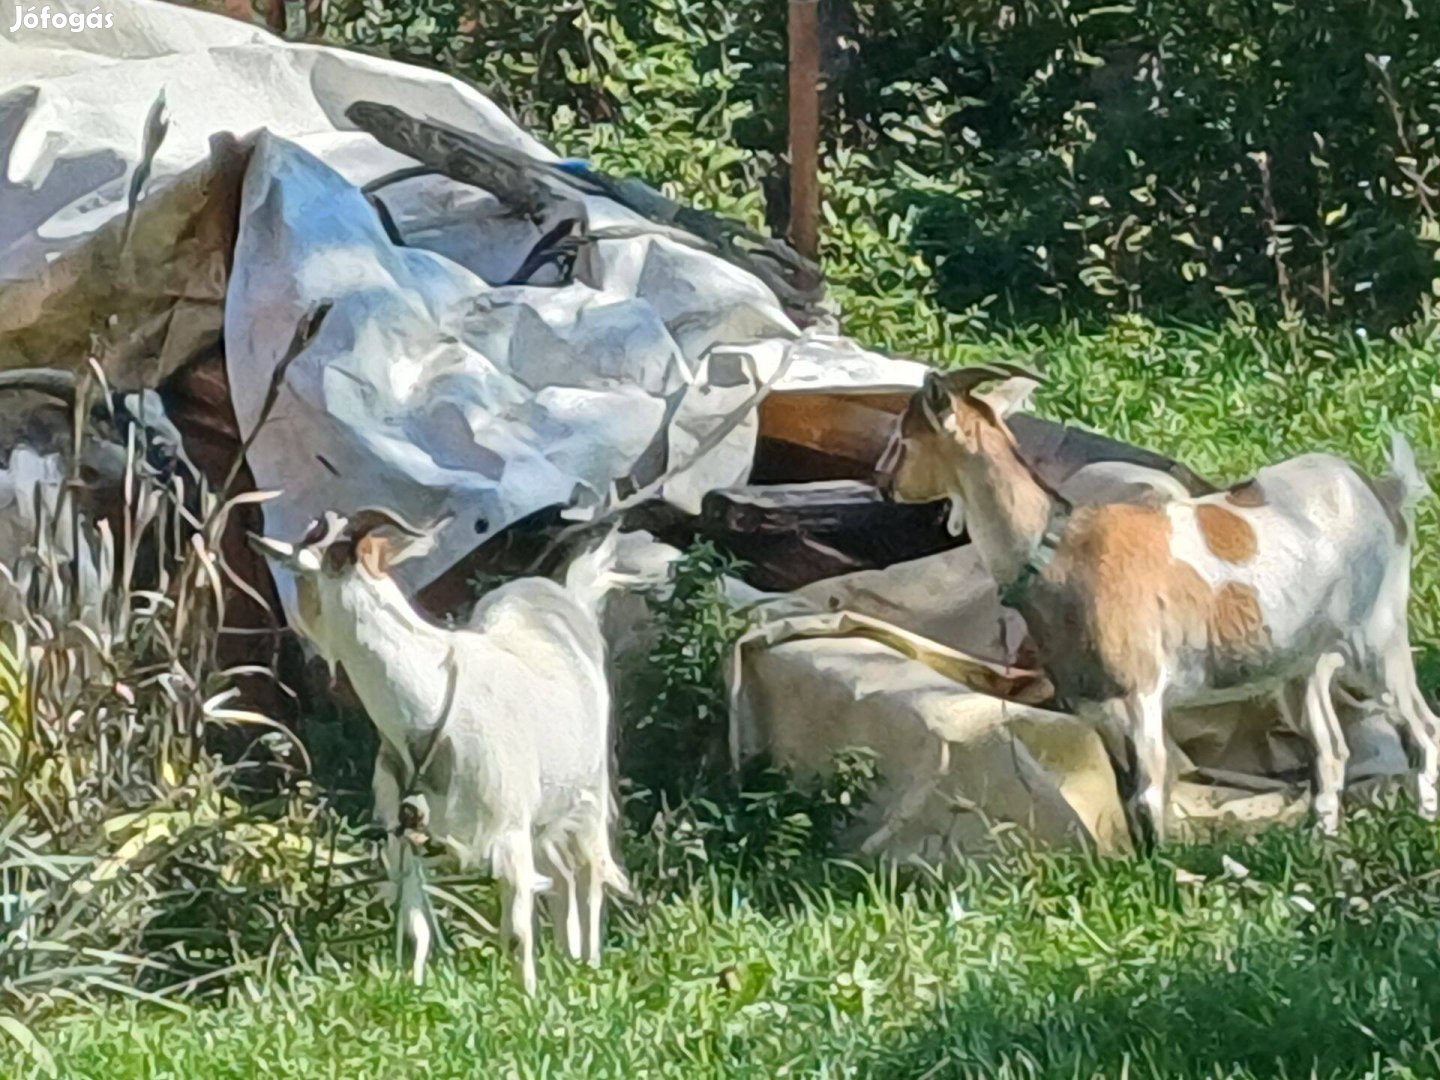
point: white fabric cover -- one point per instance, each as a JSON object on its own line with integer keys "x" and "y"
{"x": 430, "y": 388}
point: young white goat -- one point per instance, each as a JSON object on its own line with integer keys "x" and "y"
{"x": 1277, "y": 585}
{"x": 497, "y": 733}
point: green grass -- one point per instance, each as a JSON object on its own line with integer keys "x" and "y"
{"x": 1327, "y": 956}
{"x": 1324, "y": 961}
{"x": 1228, "y": 401}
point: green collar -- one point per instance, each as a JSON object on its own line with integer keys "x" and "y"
{"x": 1014, "y": 594}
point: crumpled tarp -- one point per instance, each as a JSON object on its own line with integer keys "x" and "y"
{"x": 432, "y": 386}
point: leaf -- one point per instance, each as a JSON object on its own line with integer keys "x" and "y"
{"x": 29, "y": 1044}
{"x": 156, "y": 125}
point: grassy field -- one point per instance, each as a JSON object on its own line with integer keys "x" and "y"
{"x": 1297, "y": 958}
{"x": 1302, "y": 958}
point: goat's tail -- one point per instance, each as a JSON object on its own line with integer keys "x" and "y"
{"x": 611, "y": 872}
{"x": 1404, "y": 484}
{"x": 1409, "y": 480}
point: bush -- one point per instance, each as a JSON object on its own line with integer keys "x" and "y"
{"x": 1009, "y": 159}
{"x": 131, "y": 858}
{"x": 687, "y": 814}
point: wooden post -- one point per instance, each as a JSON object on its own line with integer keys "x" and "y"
{"x": 805, "y": 127}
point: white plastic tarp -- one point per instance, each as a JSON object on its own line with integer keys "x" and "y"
{"x": 431, "y": 387}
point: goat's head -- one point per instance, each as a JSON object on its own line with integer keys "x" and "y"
{"x": 945, "y": 429}
{"x": 339, "y": 551}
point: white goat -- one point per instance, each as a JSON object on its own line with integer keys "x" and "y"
{"x": 1274, "y": 586}
{"x": 499, "y": 732}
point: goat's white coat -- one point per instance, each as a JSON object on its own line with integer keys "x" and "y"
{"x": 520, "y": 773}
{"x": 1120, "y": 481}
{"x": 1324, "y": 547}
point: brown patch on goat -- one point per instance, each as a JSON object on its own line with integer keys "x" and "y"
{"x": 1115, "y": 602}
{"x": 373, "y": 555}
{"x": 1228, "y": 535}
{"x": 1115, "y": 565}
{"x": 1188, "y": 608}
{"x": 1237, "y": 625}
{"x": 1246, "y": 494}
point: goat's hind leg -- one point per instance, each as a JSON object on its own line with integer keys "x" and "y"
{"x": 599, "y": 870}
{"x": 1419, "y": 721}
{"x": 594, "y": 847}
{"x": 561, "y": 901}
{"x": 1322, "y": 725}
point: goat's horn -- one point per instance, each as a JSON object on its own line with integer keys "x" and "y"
{"x": 965, "y": 380}
{"x": 1019, "y": 371}
{"x": 364, "y": 521}
{"x": 58, "y": 384}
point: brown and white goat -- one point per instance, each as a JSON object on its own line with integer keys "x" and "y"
{"x": 1275, "y": 586}
{"x": 503, "y": 726}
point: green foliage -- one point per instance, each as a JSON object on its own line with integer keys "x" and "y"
{"x": 688, "y": 817}
{"x": 677, "y": 699}
{"x": 1009, "y": 158}
{"x": 132, "y": 859}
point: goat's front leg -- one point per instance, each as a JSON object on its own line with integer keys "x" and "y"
{"x": 404, "y": 890}
{"x": 414, "y": 915}
{"x": 1145, "y": 715}
{"x": 385, "y": 783}
{"x": 514, "y": 861}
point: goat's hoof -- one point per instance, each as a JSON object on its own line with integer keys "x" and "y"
{"x": 414, "y": 814}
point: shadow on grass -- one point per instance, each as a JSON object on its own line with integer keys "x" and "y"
{"x": 1349, "y": 991}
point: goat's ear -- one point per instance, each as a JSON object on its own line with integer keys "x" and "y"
{"x": 1010, "y": 396}
{"x": 935, "y": 400}
{"x": 389, "y": 544}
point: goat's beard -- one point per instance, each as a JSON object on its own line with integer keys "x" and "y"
{"x": 955, "y": 521}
